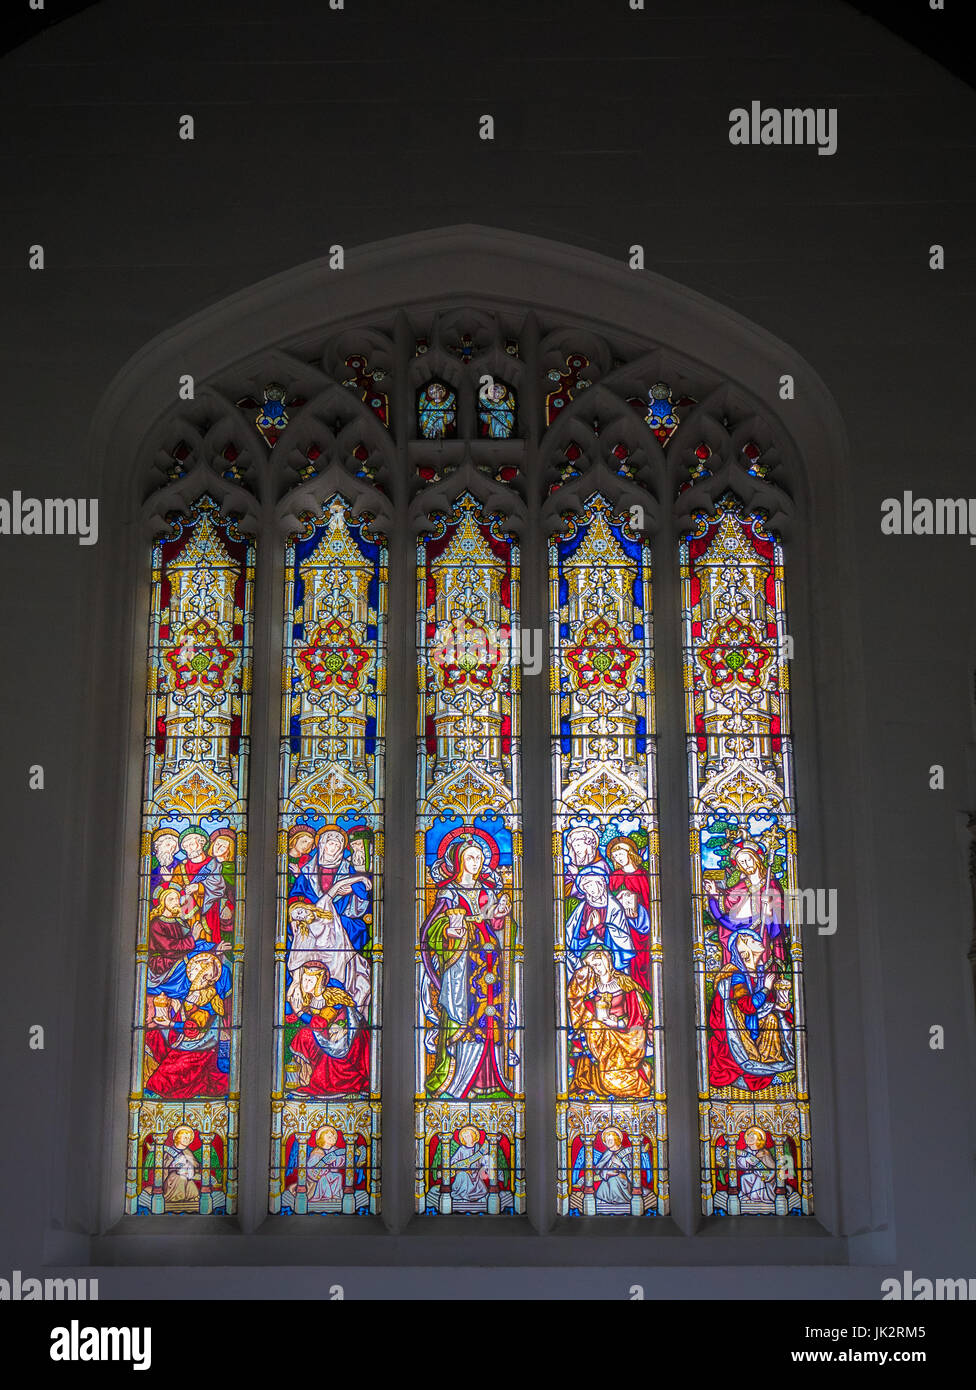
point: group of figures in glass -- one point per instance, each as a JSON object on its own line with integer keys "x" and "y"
{"x": 611, "y": 1126}
{"x": 437, "y": 410}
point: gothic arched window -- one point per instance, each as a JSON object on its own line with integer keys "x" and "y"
{"x": 434, "y": 699}
{"x": 538, "y": 468}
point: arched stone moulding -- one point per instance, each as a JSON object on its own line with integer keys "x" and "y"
{"x": 667, "y": 331}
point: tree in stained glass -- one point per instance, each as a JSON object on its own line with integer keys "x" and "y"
{"x": 328, "y": 950}
{"x": 753, "y": 1097}
{"x": 469, "y": 1104}
{"x": 611, "y": 1122}
{"x": 183, "y": 1098}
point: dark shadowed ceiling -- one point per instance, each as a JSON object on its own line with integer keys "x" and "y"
{"x": 943, "y": 35}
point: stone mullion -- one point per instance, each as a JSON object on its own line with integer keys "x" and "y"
{"x": 684, "y": 1163}
{"x": 398, "y": 1005}
{"x": 261, "y": 871}
{"x": 536, "y": 781}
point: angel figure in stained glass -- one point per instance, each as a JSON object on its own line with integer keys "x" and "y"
{"x": 496, "y": 410}
{"x": 436, "y": 411}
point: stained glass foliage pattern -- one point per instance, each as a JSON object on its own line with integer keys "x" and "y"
{"x": 328, "y": 948}
{"x": 183, "y": 1102}
{"x": 754, "y": 1104}
{"x": 469, "y": 1101}
{"x": 611, "y": 1102}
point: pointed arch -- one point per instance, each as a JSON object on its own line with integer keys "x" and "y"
{"x": 641, "y": 330}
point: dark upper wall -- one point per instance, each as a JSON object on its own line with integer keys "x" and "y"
{"x": 315, "y": 127}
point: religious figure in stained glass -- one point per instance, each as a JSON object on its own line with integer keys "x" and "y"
{"x": 183, "y": 1103}
{"x": 469, "y": 1093}
{"x": 610, "y": 1076}
{"x": 496, "y": 409}
{"x": 748, "y": 961}
{"x": 462, "y": 949}
{"x": 325, "y": 1144}
{"x": 437, "y": 411}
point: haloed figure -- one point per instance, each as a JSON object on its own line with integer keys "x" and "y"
{"x": 436, "y": 411}
{"x": 462, "y": 946}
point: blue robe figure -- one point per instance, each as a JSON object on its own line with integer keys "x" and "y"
{"x": 496, "y": 410}
{"x": 436, "y": 411}
{"x": 598, "y": 921}
{"x": 351, "y": 903}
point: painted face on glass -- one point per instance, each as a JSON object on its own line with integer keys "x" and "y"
{"x": 595, "y": 891}
{"x": 468, "y": 1136}
{"x": 747, "y": 861}
{"x": 358, "y": 850}
{"x": 436, "y": 392}
{"x": 195, "y": 846}
{"x": 472, "y": 860}
{"x": 750, "y": 950}
{"x": 166, "y": 847}
{"x": 311, "y": 981}
{"x": 601, "y": 964}
{"x": 183, "y": 1137}
{"x": 301, "y": 845}
{"x": 203, "y": 970}
{"x": 582, "y": 846}
{"x": 170, "y": 903}
{"x": 222, "y": 849}
{"x": 620, "y": 856}
{"x": 330, "y": 848}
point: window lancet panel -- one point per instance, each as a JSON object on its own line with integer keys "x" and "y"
{"x": 753, "y": 1096}
{"x": 183, "y": 1103}
{"x": 561, "y": 419}
{"x": 470, "y": 1102}
{"x": 611, "y": 1098}
{"x": 328, "y": 948}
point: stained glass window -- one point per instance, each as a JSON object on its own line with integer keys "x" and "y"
{"x": 754, "y": 1104}
{"x": 496, "y": 409}
{"x": 469, "y": 1104}
{"x": 611, "y": 1120}
{"x": 328, "y": 949}
{"x": 437, "y": 411}
{"x": 491, "y": 436}
{"x": 183, "y": 1101}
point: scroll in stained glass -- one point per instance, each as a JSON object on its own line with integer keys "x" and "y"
{"x": 469, "y": 1102}
{"x": 753, "y": 1097}
{"x": 328, "y": 949}
{"x": 611, "y": 1098}
{"x": 183, "y": 1103}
